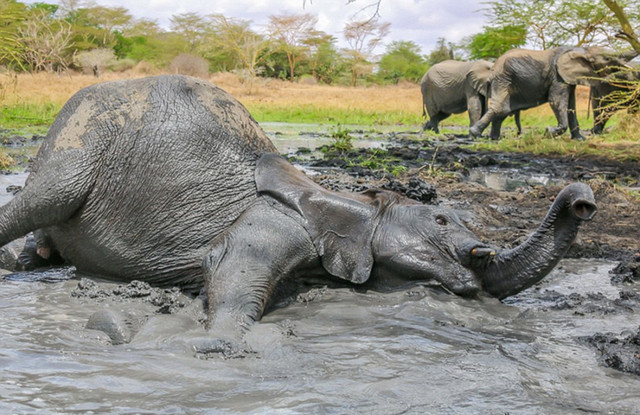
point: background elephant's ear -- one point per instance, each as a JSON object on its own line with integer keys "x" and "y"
{"x": 478, "y": 76}
{"x": 341, "y": 227}
{"x": 574, "y": 67}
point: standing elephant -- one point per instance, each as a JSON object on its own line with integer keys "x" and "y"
{"x": 453, "y": 87}
{"x": 605, "y": 94}
{"x": 169, "y": 180}
{"x": 522, "y": 79}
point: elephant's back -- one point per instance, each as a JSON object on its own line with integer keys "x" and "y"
{"x": 175, "y": 172}
{"x": 443, "y": 87}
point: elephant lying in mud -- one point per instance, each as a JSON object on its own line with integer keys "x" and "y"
{"x": 169, "y": 180}
{"x": 453, "y": 87}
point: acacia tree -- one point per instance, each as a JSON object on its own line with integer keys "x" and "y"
{"x": 553, "y": 23}
{"x": 627, "y": 31}
{"x": 46, "y": 41}
{"x": 493, "y": 42}
{"x": 241, "y": 47}
{"x": 12, "y": 15}
{"x": 363, "y": 37}
{"x": 290, "y": 32}
{"x": 192, "y": 27}
{"x": 322, "y": 56}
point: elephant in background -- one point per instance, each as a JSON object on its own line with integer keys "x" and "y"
{"x": 605, "y": 93}
{"x": 169, "y": 180}
{"x": 453, "y": 87}
{"x": 522, "y": 79}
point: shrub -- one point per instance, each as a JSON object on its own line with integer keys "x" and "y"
{"x": 95, "y": 60}
{"x": 192, "y": 65}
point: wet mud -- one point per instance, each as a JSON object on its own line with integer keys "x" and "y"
{"x": 507, "y": 217}
{"x": 334, "y": 348}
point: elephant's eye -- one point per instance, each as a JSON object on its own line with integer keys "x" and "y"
{"x": 441, "y": 220}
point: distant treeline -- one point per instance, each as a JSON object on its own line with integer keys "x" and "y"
{"x": 89, "y": 37}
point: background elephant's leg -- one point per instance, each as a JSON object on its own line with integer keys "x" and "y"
{"x": 434, "y": 120}
{"x": 559, "y": 102}
{"x": 496, "y": 126}
{"x": 574, "y": 126}
{"x": 516, "y": 117}
{"x": 475, "y": 107}
{"x": 498, "y": 107}
{"x": 600, "y": 118}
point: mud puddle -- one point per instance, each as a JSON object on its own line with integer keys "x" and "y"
{"x": 414, "y": 351}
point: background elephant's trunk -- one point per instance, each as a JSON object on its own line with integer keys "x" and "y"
{"x": 513, "y": 270}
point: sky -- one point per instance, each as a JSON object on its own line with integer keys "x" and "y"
{"x": 420, "y": 21}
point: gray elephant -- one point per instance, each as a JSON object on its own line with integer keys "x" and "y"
{"x": 169, "y": 180}
{"x": 522, "y": 79}
{"x": 453, "y": 87}
{"x": 606, "y": 93}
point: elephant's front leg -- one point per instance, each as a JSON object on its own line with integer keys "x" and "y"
{"x": 243, "y": 269}
{"x": 561, "y": 98}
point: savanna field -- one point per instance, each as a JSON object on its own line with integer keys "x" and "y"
{"x": 30, "y": 102}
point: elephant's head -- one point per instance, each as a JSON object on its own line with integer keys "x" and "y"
{"x": 383, "y": 234}
{"x": 587, "y": 65}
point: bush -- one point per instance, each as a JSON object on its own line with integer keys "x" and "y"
{"x": 122, "y": 65}
{"x": 191, "y": 65}
{"x": 95, "y": 60}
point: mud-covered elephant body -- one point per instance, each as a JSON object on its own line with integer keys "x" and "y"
{"x": 522, "y": 79}
{"x": 453, "y": 87}
{"x": 169, "y": 180}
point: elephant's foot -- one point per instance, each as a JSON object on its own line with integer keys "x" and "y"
{"x": 475, "y": 132}
{"x": 430, "y": 126}
{"x": 597, "y": 130}
{"x": 555, "y": 131}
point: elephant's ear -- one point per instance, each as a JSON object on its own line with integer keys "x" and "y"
{"x": 478, "y": 76}
{"x": 340, "y": 226}
{"x": 575, "y": 66}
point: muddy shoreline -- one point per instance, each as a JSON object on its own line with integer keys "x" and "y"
{"x": 441, "y": 171}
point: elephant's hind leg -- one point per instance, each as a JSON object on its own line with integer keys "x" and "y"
{"x": 50, "y": 197}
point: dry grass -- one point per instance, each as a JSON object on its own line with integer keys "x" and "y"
{"x": 262, "y": 95}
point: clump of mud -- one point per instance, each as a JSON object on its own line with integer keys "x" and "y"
{"x": 168, "y": 300}
{"x": 618, "y": 351}
{"x": 414, "y": 188}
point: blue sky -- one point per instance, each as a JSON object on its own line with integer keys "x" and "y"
{"x": 420, "y": 21}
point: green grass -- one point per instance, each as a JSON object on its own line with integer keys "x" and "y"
{"x": 535, "y": 141}
{"x": 27, "y": 115}
{"x": 313, "y": 115}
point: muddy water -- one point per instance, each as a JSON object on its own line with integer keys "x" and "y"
{"x": 413, "y": 351}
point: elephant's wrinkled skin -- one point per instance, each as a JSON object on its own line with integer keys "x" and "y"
{"x": 453, "y": 87}
{"x": 522, "y": 79}
{"x": 169, "y": 180}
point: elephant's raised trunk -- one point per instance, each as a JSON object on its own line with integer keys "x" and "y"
{"x": 511, "y": 271}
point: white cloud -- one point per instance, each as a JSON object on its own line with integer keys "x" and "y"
{"x": 420, "y": 21}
